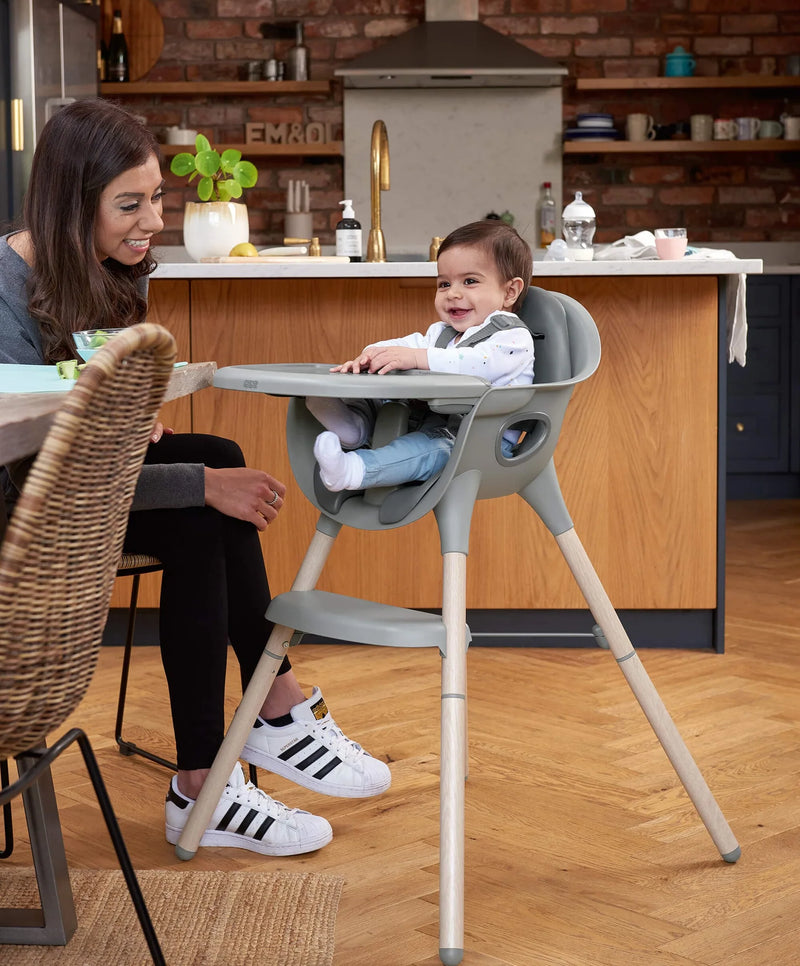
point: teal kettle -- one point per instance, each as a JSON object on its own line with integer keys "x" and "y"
{"x": 680, "y": 63}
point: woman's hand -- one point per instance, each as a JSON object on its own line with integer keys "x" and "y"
{"x": 244, "y": 493}
{"x": 160, "y": 430}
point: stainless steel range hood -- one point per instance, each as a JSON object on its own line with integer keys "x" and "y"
{"x": 452, "y": 53}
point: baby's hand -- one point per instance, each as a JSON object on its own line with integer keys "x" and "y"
{"x": 388, "y": 358}
{"x": 356, "y": 365}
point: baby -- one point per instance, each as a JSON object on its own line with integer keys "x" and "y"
{"x": 484, "y": 270}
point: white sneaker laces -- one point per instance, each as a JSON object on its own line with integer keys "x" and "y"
{"x": 338, "y": 742}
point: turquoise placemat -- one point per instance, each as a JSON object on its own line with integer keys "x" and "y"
{"x": 15, "y": 378}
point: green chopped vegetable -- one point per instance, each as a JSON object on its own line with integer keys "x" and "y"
{"x": 99, "y": 338}
{"x": 67, "y": 369}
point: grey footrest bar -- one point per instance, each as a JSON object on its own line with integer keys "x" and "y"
{"x": 357, "y": 620}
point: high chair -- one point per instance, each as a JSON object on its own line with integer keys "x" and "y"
{"x": 567, "y": 352}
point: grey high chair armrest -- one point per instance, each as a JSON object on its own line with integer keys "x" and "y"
{"x": 567, "y": 348}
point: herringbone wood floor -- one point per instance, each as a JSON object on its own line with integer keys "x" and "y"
{"x": 582, "y": 847}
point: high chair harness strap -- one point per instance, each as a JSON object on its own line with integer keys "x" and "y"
{"x": 500, "y": 320}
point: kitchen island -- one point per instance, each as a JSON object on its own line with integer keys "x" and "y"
{"x": 640, "y": 461}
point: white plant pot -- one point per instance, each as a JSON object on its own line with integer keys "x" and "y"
{"x": 212, "y": 228}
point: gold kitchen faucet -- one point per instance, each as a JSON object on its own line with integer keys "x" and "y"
{"x": 379, "y": 181}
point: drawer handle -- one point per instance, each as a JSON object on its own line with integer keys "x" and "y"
{"x": 740, "y": 427}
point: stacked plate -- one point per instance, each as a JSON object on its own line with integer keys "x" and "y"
{"x": 592, "y": 127}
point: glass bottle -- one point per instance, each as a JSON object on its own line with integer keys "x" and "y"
{"x": 577, "y": 225}
{"x": 117, "y": 67}
{"x": 547, "y": 216}
{"x": 297, "y": 58}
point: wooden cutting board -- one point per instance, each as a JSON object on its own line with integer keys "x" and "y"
{"x": 143, "y": 29}
{"x": 285, "y": 259}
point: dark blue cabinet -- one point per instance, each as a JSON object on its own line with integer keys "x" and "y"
{"x": 763, "y": 402}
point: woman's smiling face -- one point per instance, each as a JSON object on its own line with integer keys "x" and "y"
{"x": 129, "y": 213}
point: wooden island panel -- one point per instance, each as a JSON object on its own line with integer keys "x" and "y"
{"x": 637, "y": 460}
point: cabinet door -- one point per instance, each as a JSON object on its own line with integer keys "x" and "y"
{"x": 758, "y": 425}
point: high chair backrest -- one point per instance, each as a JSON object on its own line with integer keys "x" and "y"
{"x": 567, "y": 353}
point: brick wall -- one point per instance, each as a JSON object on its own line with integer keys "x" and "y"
{"x": 719, "y": 197}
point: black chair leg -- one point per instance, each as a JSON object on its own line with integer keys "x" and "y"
{"x": 8, "y": 821}
{"x": 126, "y": 747}
{"x": 121, "y": 849}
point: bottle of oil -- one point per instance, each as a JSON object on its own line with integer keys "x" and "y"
{"x": 297, "y": 57}
{"x": 547, "y": 216}
{"x": 117, "y": 67}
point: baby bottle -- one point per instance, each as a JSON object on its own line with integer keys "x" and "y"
{"x": 577, "y": 225}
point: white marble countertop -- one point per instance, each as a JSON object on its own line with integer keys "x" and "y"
{"x": 175, "y": 263}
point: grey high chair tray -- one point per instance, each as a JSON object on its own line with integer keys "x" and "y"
{"x": 567, "y": 352}
{"x": 316, "y": 379}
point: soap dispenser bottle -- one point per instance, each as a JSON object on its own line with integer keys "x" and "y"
{"x": 577, "y": 225}
{"x": 348, "y": 233}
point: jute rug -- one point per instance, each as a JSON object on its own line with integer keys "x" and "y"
{"x": 201, "y": 918}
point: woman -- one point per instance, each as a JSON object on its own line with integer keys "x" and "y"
{"x": 93, "y": 205}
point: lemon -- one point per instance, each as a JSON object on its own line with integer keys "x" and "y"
{"x": 242, "y": 250}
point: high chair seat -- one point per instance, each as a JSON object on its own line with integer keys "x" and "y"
{"x": 567, "y": 351}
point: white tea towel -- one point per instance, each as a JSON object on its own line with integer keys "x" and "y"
{"x": 736, "y": 314}
{"x": 640, "y": 245}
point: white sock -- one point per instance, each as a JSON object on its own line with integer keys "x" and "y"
{"x": 348, "y": 424}
{"x": 338, "y": 470}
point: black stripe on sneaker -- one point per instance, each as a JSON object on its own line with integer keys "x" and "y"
{"x": 298, "y": 746}
{"x": 245, "y": 823}
{"x": 228, "y": 817}
{"x": 327, "y": 769}
{"x": 176, "y": 799}
{"x": 307, "y": 762}
{"x": 262, "y": 830}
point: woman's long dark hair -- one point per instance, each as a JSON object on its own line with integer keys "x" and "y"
{"x": 81, "y": 150}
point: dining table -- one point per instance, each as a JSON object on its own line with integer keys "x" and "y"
{"x": 26, "y": 417}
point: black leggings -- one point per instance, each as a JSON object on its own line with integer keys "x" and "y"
{"x": 214, "y": 589}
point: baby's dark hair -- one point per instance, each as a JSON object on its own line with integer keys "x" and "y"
{"x": 511, "y": 254}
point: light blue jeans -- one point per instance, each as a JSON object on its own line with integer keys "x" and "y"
{"x": 415, "y": 456}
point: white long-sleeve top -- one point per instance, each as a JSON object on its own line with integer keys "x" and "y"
{"x": 503, "y": 359}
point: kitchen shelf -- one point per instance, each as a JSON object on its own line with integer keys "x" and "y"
{"x": 677, "y": 147}
{"x": 330, "y": 150}
{"x": 683, "y": 83}
{"x": 213, "y": 88}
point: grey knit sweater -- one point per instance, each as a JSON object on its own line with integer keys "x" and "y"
{"x": 160, "y": 486}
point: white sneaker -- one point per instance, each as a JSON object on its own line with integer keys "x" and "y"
{"x": 314, "y": 752}
{"x": 247, "y": 818}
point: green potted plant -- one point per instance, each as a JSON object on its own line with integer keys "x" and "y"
{"x": 217, "y": 223}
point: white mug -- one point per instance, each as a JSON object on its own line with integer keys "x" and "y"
{"x": 747, "y": 128}
{"x": 724, "y": 130}
{"x": 791, "y": 127}
{"x": 701, "y": 126}
{"x": 640, "y": 127}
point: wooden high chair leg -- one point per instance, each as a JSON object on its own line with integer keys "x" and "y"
{"x": 647, "y": 696}
{"x": 252, "y": 700}
{"x": 453, "y": 761}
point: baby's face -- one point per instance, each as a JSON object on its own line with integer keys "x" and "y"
{"x": 469, "y": 287}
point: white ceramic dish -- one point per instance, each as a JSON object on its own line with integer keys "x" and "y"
{"x": 594, "y": 121}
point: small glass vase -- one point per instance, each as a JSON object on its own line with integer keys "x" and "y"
{"x": 212, "y": 228}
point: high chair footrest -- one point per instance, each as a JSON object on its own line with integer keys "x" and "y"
{"x": 357, "y": 620}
